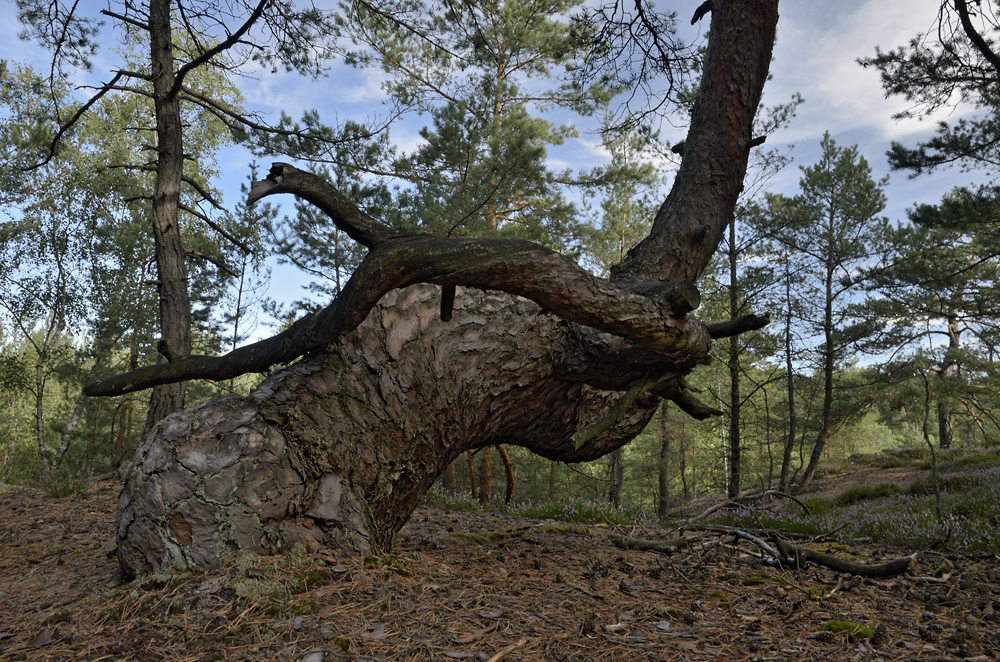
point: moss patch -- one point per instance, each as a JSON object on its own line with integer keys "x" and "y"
{"x": 857, "y": 629}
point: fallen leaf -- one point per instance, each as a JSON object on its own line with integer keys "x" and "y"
{"x": 475, "y": 635}
{"x": 458, "y": 655}
{"x": 491, "y": 614}
{"x": 315, "y": 656}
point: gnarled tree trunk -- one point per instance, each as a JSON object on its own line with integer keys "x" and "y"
{"x": 396, "y": 382}
{"x": 337, "y": 449}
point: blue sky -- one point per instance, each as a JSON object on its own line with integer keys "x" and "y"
{"x": 815, "y": 56}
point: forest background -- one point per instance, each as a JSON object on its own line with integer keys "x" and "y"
{"x": 889, "y": 363}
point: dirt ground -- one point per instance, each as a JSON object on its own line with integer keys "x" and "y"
{"x": 477, "y": 587}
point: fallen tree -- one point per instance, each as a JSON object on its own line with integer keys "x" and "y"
{"x": 437, "y": 346}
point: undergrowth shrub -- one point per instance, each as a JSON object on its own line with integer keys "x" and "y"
{"x": 864, "y": 492}
{"x": 584, "y": 511}
{"x": 970, "y": 523}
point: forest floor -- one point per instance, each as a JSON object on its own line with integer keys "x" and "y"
{"x": 484, "y": 587}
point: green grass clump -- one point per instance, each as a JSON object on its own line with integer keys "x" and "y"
{"x": 758, "y": 578}
{"x": 907, "y": 518}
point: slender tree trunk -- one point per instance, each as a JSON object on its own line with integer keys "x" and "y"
{"x": 828, "y": 366}
{"x": 786, "y": 458}
{"x": 508, "y": 494}
{"x": 946, "y": 431}
{"x": 43, "y": 350}
{"x": 663, "y": 464}
{"x": 486, "y": 475}
{"x": 683, "y": 462}
{"x": 767, "y": 440}
{"x": 734, "y": 373}
{"x": 172, "y": 285}
{"x": 944, "y": 409}
{"x": 616, "y": 477}
{"x": 473, "y": 492}
{"x": 927, "y": 440}
{"x": 43, "y": 453}
{"x": 448, "y": 480}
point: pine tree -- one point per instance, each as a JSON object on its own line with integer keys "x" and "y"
{"x": 833, "y": 229}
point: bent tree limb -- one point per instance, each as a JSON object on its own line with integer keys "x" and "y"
{"x": 797, "y": 556}
{"x": 652, "y": 316}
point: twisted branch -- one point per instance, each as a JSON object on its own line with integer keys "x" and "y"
{"x": 653, "y": 317}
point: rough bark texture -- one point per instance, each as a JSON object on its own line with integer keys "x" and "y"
{"x": 336, "y": 449}
{"x": 689, "y": 225}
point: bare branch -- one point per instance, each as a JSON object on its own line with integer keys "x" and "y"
{"x": 794, "y": 555}
{"x": 700, "y": 12}
{"x": 358, "y": 225}
{"x": 214, "y": 260}
{"x": 72, "y": 122}
{"x": 962, "y": 6}
{"x": 222, "y": 46}
{"x": 215, "y": 226}
{"x": 203, "y": 192}
{"x": 125, "y": 19}
{"x": 737, "y": 326}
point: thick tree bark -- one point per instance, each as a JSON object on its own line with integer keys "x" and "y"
{"x": 336, "y": 449}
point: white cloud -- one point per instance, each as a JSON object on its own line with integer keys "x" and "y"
{"x": 816, "y": 55}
